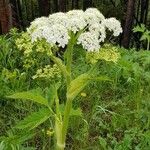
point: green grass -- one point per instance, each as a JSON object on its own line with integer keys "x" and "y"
{"x": 116, "y": 114}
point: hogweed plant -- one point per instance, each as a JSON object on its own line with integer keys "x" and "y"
{"x": 64, "y": 31}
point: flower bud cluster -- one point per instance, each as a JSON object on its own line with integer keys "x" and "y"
{"x": 48, "y": 72}
{"x": 107, "y": 53}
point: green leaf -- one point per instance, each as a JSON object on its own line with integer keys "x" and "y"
{"x": 140, "y": 28}
{"x": 77, "y": 85}
{"x": 35, "y": 97}
{"x": 35, "y": 119}
{"x": 143, "y": 37}
{"x": 2, "y": 145}
{"x": 76, "y": 112}
{"x": 19, "y": 138}
{"x": 61, "y": 66}
{"x": 51, "y": 93}
{"x": 15, "y": 138}
{"x": 73, "y": 112}
{"x": 101, "y": 78}
{"x": 103, "y": 143}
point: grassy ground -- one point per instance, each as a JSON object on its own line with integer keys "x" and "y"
{"x": 116, "y": 114}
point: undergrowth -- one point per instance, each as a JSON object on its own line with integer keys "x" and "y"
{"x": 116, "y": 114}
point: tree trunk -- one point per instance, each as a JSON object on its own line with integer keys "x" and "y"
{"x": 142, "y": 11}
{"x": 55, "y": 6}
{"x": 62, "y": 5}
{"x": 76, "y": 4}
{"x": 138, "y": 11}
{"x": 146, "y": 11}
{"x": 4, "y": 17}
{"x": 72, "y": 4}
{"x": 87, "y": 4}
{"x": 19, "y": 11}
{"x": 44, "y": 7}
{"x": 127, "y": 30}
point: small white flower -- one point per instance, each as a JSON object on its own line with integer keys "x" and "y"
{"x": 59, "y": 18}
{"x": 55, "y": 34}
{"x": 90, "y": 18}
{"x": 96, "y": 12}
{"x": 37, "y": 23}
{"x": 93, "y": 15}
{"x": 112, "y": 24}
{"x": 89, "y": 41}
{"x": 76, "y": 20}
{"x": 36, "y": 34}
{"x": 75, "y": 14}
{"x": 99, "y": 30}
{"x": 76, "y": 24}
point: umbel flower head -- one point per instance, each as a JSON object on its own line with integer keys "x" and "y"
{"x": 91, "y": 23}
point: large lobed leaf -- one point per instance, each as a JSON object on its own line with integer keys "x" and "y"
{"x": 35, "y": 119}
{"x": 78, "y": 84}
{"x": 35, "y": 97}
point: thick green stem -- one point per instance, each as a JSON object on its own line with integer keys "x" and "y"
{"x": 69, "y": 53}
{"x": 68, "y": 106}
{"x": 59, "y": 148}
{"x": 66, "y": 119}
{"x": 66, "y": 70}
{"x": 58, "y": 113}
{"x": 58, "y": 134}
{"x": 69, "y": 58}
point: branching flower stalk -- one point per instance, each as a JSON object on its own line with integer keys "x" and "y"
{"x": 85, "y": 28}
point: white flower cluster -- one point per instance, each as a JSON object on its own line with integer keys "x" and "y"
{"x": 76, "y": 24}
{"x": 59, "y": 18}
{"x": 99, "y": 30}
{"x": 113, "y": 25}
{"x": 89, "y": 41}
{"x": 56, "y": 34}
{"x": 55, "y": 28}
{"x": 93, "y": 15}
{"x": 37, "y": 23}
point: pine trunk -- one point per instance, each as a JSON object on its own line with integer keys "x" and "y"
{"x": 5, "y": 16}
{"x": 127, "y": 30}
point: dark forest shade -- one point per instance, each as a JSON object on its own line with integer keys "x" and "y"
{"x": 87, "y": 4}
{"x": 19, "y": 12}
{"x": 127, "y": 29}
{"x": 55, "y": 5}
{"x": 0, "y": 28}
{"x": 75, "y": 4}
{"x": 44, "y": 7}
{"x": 23, "y": 12}
{"x": 144, "y": 11}
{"x": 62, "y": 5}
